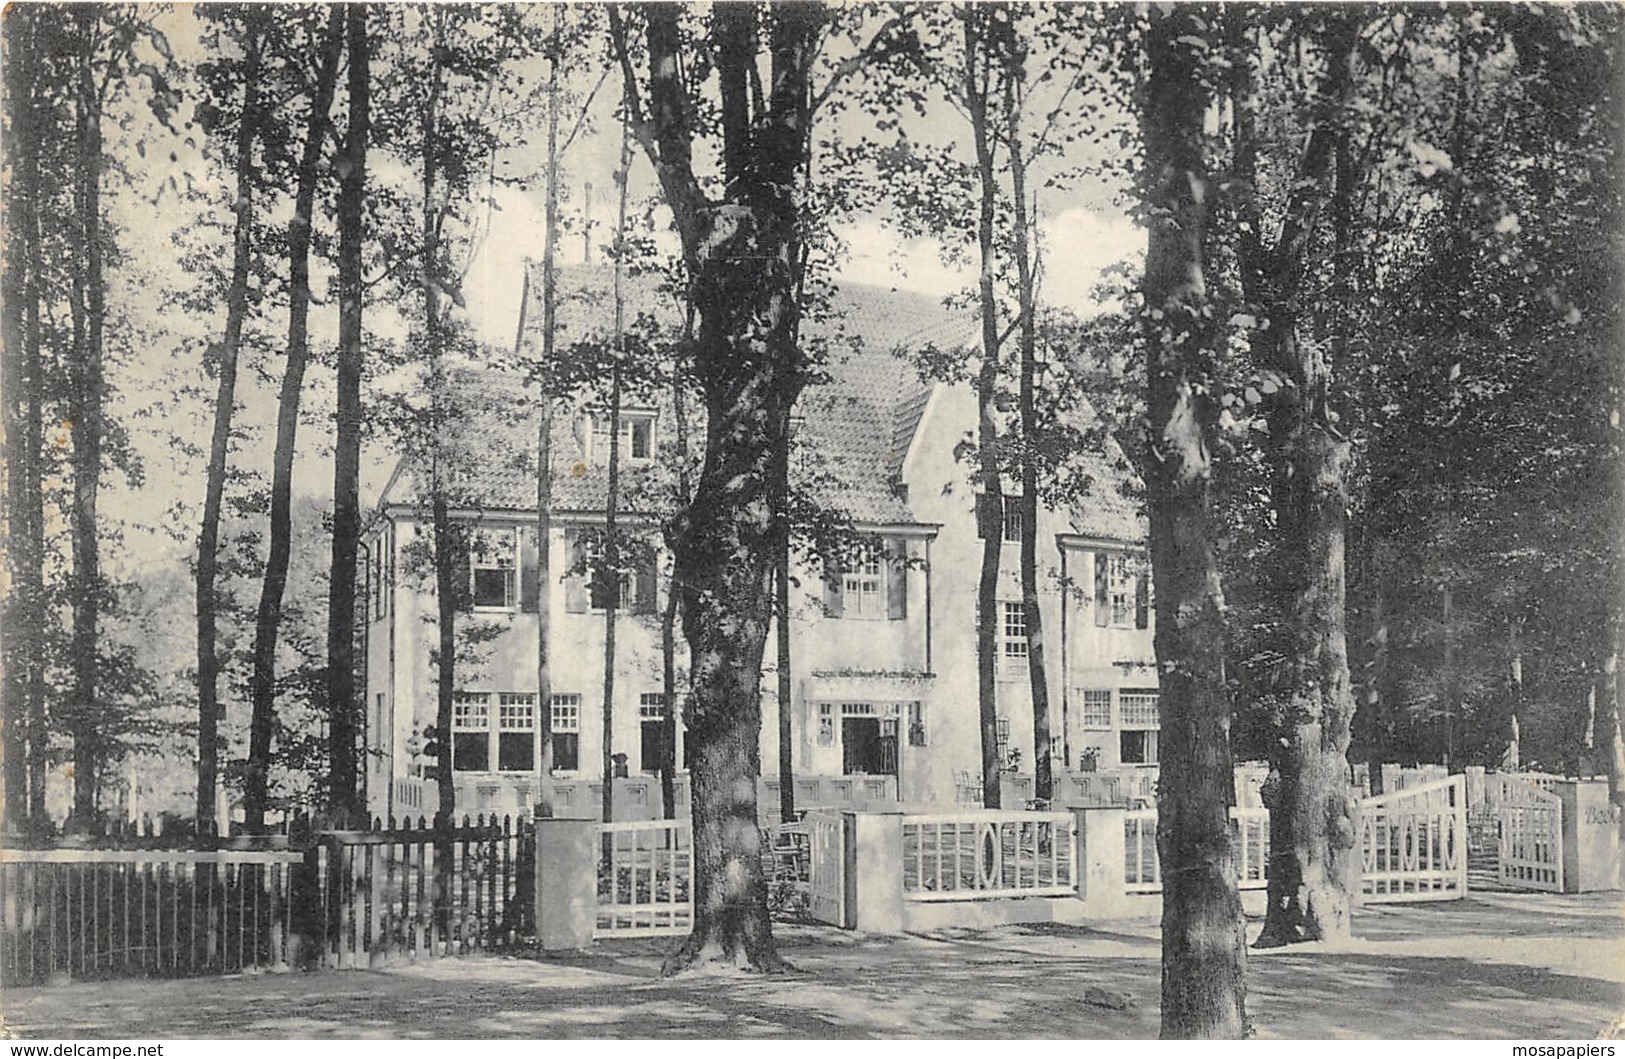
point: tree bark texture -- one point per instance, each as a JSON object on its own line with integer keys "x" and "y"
{"x": 446, "y": 545}
{"x": 990, "y": 508}
{"x": 1204, "y": 956}
{"x": 225, "y": 403}
{"x": 608, "y": 573}
{"x": 610, "y": 570}
{"x": 669, "y": 618}
{"x": 544, "y": 436}
{"x": 741, "y": 256}
{"x": 22, "y": 385}
{"x": 85, "y": 412}
{"x": 1311, "y": 810}
{"x": 268, "y": 621}
{"x": 1027, "y": 342}
{"x": 344, "y": 711}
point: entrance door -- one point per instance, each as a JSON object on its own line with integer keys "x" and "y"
{"x": 867, "y": 748}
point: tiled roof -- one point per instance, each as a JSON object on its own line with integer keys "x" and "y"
{"x": 1108, "y": 511}
{"x": 855, "y": 427}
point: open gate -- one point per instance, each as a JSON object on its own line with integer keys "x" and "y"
{"x": 1413, "y": 843}
{"x": 1531, "y": 837}
{"x": 826, "y": 868}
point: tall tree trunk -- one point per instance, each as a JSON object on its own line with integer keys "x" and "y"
{"x": 448, "y": 593}
{"x": 1204, "y": 955}
{"x": 668, "y": 621}
{"x": 781, "y": 615}
{"x": 86, "y": 414}
{"x": 269, "y": 619}
{"x": 990, "y": 507}
{"x": 344, "y": 712}
{"x": 1311, "y": 811}
{"x": 739, "y": 255}
{"x": 544, "y": 436}
{"x": 225, "y": 402}
{"x": 608, "y": 573}
{"x": 22, "y": 393}
{"x": 447, "y": 542}
{"x": 1027, "y": 339}
{"x": 30, "y": 552}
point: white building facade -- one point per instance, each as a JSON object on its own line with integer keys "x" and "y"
{"x": 883, "y": 655}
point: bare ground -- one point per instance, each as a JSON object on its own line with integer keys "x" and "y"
{"x": 1493, "y": 965}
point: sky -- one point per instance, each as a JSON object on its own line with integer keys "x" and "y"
{"x": 1079, "y": 244}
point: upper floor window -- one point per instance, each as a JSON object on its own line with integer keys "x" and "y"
{"x": 869, "y": 582}
{"x": 592, "y": 585}
{"x": 1012, "y": 634}
{"x": 1007, "y": 519}
{"x": 864, "y": 585}
{"x": 1122, "y": 591}
{"x": 637, "y": 430}
{"x": 494, "y": 566}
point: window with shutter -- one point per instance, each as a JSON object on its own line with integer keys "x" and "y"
{"x": 530, "y": 589}
{"x": 1142, "y": 596}
{"x": 897, "y": 580}
{"x": 863, "y": 585}
{"x": 834, "y": 605}
{"x": 575, "y": 575}
{"x": 1103, "y": 614}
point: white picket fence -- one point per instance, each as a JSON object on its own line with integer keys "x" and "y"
{"x": 974, "y": 855}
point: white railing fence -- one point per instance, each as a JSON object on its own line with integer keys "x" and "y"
{"x": 826, "y": 867}
{"x": 645, "y": 879}
{"x": 1531, "y": 853}
{"x": 1142, "y": 871}
{"x": 975, "y": 855}
{"x": 1413, "y": 843}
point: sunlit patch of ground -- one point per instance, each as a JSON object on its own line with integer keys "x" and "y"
{"x": 1493, "y": 965}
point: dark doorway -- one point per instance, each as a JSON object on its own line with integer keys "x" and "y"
{"x": 868, "y": 746}
{"x": 651, "y": 749}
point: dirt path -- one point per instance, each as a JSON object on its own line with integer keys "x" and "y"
{"x": 1491, "y": 966}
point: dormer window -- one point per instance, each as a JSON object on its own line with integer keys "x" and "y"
{"x": 637, "y": 436}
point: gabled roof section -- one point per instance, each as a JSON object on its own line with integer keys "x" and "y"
{"x": 856, "y": 425}
{"x": 1109, "y": 510}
